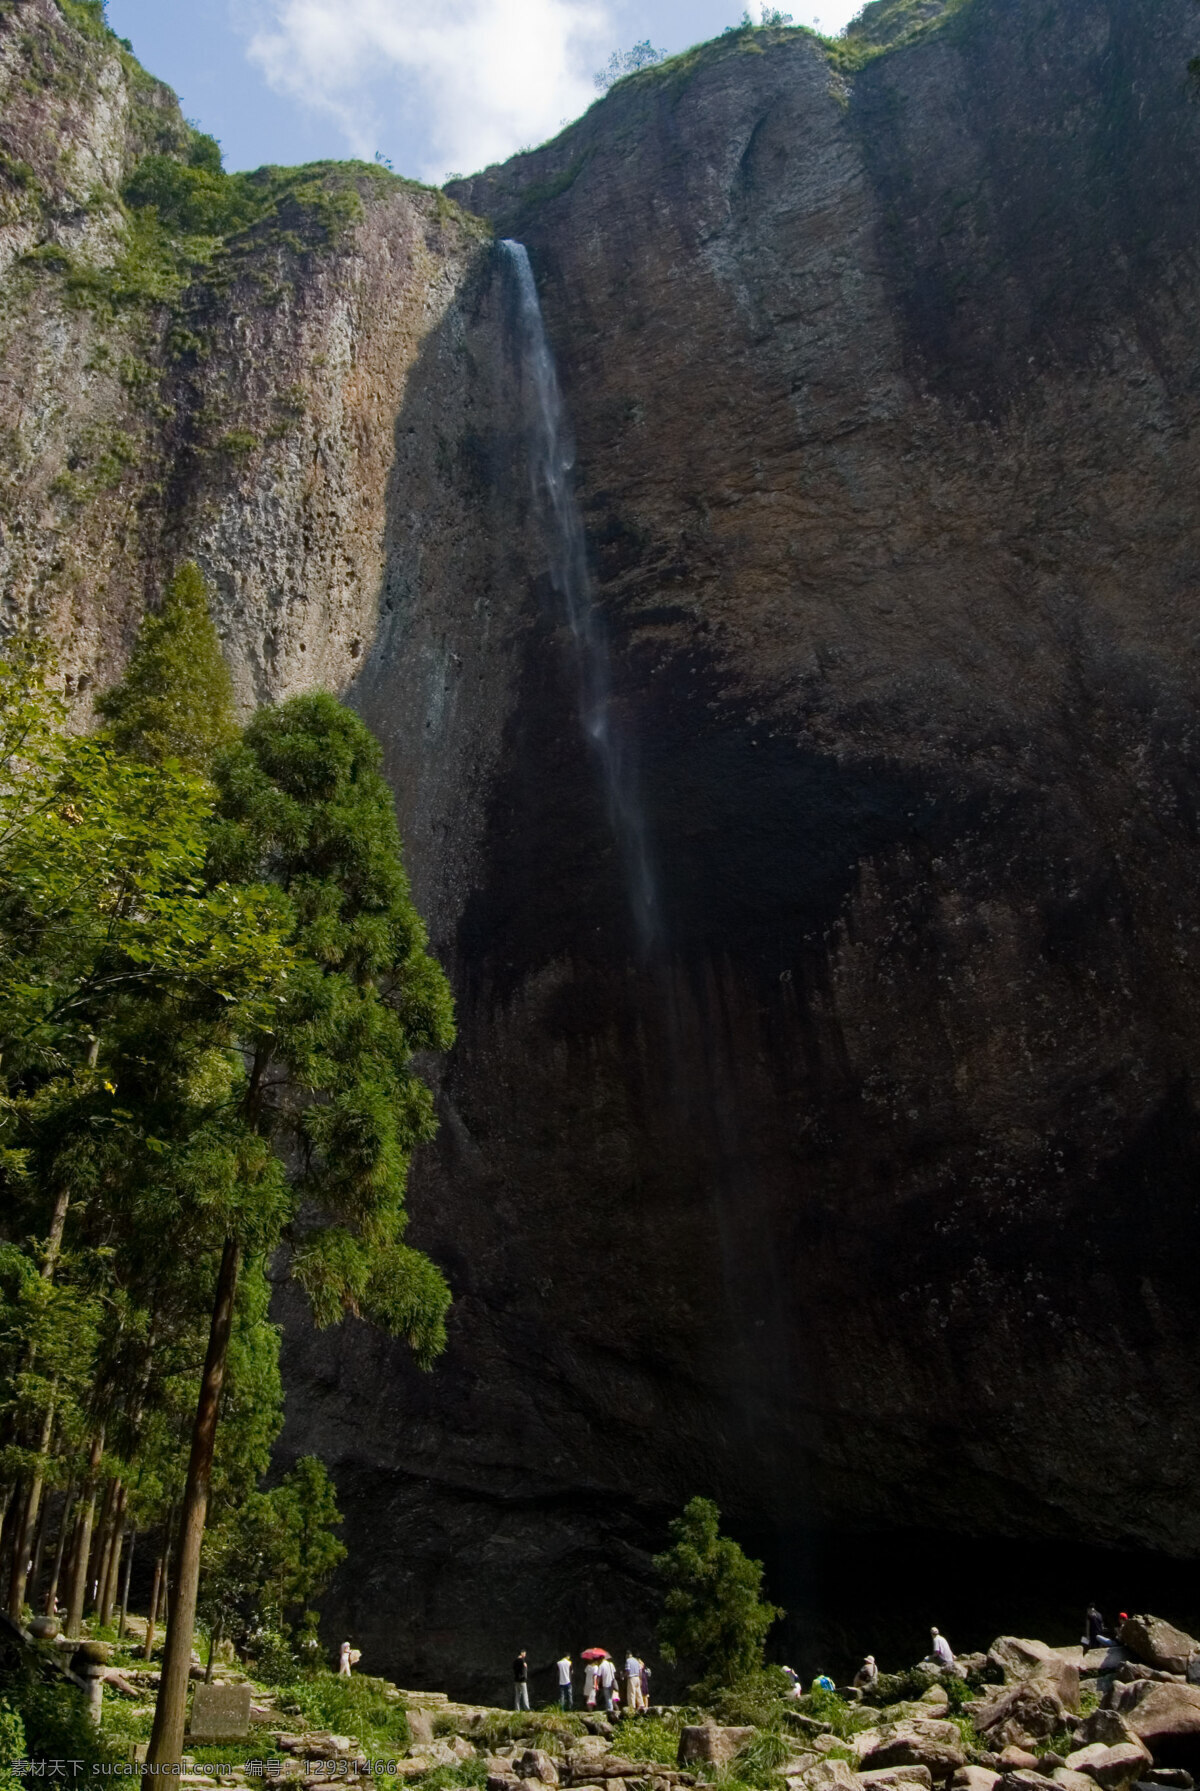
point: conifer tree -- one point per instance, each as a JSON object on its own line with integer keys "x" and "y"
{"x": 176, "y": 698}
{"x": 330, "y": 1079}
{"x": 714, "y": 1615}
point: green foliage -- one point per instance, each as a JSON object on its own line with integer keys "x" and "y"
{"x": 358, "y": 1706}
{"x": 628, "y": 62}
{"x": 12, "y": 1745}
{"x": 652, "y": 1738}
{"x": 192, "y": 198}
{"x": 760, "y": 1697}
{"x": 175, "y": 701}
{"x": 886, "y": 25}
{"x": 759, "y": 1762}
{"x": 268, "y": 1559}
{"x": 87, "y": 16}
{"x": 52, "y": 1713}
{"x": 304, "y": 805}
{"x": 713, "y": 1615}
{"x": 102, "y": 895}
{"x": 460, "y": 1777}
{"x": 827, "y": 1707}
{"x": 237, "y": 443}
{"x": 914, "y": 1682}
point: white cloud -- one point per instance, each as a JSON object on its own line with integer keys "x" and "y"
{"x": 482, "y": 77}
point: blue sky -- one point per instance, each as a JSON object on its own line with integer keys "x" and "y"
{"x": 438, "y": 88}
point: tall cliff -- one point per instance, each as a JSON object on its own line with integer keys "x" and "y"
{"x": 865, "y": 1200}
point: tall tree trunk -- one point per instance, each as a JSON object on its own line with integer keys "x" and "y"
{"x": 166, "y": 1740}
{"x": 125, "y": 1586}
{"x": 101, "y": 1547}
{"x": 58, "y": 1220}
{"x": 153, "y": 1616}
{"x": 83, "y": 1537}
{"x": 108, "y": 1586}
{"x": 29, "y": 1519}
{"x": 64, "y": 1530}
{"x": 39, "y": 1549}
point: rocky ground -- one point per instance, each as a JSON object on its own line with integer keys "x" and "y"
{"x": 1022, "y": 1717}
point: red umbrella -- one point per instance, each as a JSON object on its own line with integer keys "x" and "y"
{"x": 594, "y": 1654}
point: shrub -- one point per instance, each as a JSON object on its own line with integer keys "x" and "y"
{"x": 12, "y": 1746}
{"x": 652, "y": 1738}
{"x": 357, "y": 1706}
{"x": 758, "y": 1763}
{"x": 762, "y": 1698}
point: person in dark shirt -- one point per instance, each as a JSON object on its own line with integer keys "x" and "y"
{"x": 521, "y": 1682}
{"x": 1096, "y": 1637}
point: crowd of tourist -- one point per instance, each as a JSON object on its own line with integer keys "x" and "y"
{"x": 605, "y": 1685}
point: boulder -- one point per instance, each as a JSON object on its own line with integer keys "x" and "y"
{"x": 1020, "y": 1713}
{"x": 1018, "y": 1657}
{"x": 937, "y": 1745}
{"x": 502, "y": 1781}
{"x": 799, "y": 1764}
{"x": 826, "y": 1775}
{"x": 1113, "y": 1768}
{"x": 1166, "y": 1718}
{"x": 1072, "y": 1781}
{"x": 900, "y": 1778}
{"x": 937, "y": 1696}
{"x": 535, "y": 1763}
{"x": 1024, "y": 1779}
{"x": 435, "y": 1753}
{"x": 1174, "y": 1776}
{"x": 1107, "y": 1726}
{"x": 1026, "y": 1663}
{"x": 710, "y": 1743}
{"x": 1158, "y": 1643}
{"x": 974, "y": 1778}
{"x": 1017, "y": 1759}
{"x": 420, "y": 1726}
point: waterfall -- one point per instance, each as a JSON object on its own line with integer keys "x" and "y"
{"x": 553, "y": 460}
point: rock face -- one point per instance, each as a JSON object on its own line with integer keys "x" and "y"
{"x": 863, "y": 1197}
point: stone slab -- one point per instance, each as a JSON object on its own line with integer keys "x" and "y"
{"x": 220, "y": 1713}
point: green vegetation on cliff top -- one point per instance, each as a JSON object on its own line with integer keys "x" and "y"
{"x": 181, "y": 220}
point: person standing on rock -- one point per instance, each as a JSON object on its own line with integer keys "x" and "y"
{"x": 633, "y": 1681}
{"x": 566, "y": 1697}
{"x": 589, "y": 1684}
{"x": 608, "y": 1678}
{"x": 344, "y": 1661}
{"x": 644, "y": 1678}
{"x": 521, "y": 1682}
{"x": 867, "y": 1674}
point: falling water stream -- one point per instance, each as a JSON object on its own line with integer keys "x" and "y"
{"x": 553, "y": 461}
{"x": 696, "y": 1070}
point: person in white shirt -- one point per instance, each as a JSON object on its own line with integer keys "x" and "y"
{"x": 941, "y": 1654}
{"x": 590, "y": 1673}
{"x": 633, "y": 1681}
{"x": 608, "y": 1678}
{"x": 565, "y": 1696}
